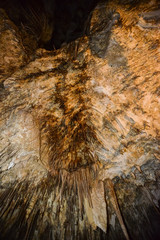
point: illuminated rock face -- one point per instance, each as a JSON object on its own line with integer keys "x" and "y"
{"x": 80, "y": 131}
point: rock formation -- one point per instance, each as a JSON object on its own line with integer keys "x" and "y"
{"x": 80, "y": 129}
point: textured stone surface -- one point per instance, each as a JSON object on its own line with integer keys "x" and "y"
{"x": 12, "y": 52}
{"x": 79, "y": 130}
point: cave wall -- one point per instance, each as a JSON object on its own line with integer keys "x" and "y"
{"x": 79, "y": 130}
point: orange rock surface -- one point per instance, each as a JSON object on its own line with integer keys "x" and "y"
{"x": 75, "y": 118}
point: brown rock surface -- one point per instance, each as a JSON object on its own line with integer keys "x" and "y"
{"x": 79, "y": 130}
{"x": 12, "y": 52}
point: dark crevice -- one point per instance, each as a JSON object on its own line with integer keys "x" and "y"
{"x": 50, "y": 23}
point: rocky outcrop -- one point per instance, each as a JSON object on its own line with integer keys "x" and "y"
{"x": 79, "y": 130}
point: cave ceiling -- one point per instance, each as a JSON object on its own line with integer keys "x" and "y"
{"x": 79, "y": 122}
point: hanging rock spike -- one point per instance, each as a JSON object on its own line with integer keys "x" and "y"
{"x": 133, "y": 175}
{"x": 114, "y": 202}
{"x": 138, "y": 168}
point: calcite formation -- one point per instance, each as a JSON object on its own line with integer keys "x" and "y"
{"x": 79, "y": 130}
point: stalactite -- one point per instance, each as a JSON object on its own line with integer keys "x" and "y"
{"x": 114, "y": 202}
{"x": 79, "y": 143}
